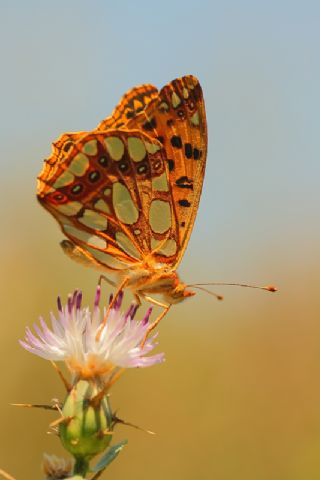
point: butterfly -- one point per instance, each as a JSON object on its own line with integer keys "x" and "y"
{"x": 127, "y": 193}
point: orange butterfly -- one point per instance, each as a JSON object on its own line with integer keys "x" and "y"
{"x": 126, "y": 194}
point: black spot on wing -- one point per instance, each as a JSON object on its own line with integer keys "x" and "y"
{"x": 67, "y": 146}
{"x": 188, "y": 151}
{"x": 184, "y": 182}
{"x": 103, "y": 161}
{"x": 184, "y": 203}
{"x": 150, "y": 125}
{"x": 94, "y": 176}
{"x": 170, "y": 165}
{"x": 77, "y": 189}
{"x": 176, "y": 141}
{"x": 142, "y": 168}
{"x": 181, "y": 114}
{"x": 196, "y": 154}
{"x": 124, "y": 166}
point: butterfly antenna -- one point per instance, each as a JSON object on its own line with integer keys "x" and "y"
{"x": 268, "y": 288}
{"x": 216, "y": 295}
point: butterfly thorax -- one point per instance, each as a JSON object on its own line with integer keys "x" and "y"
{"x": 144, "y": 279}
{"x": 153, "y": 281}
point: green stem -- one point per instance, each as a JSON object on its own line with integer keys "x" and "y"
{"x": 81, "y": 466}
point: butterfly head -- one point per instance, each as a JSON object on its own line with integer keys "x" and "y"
{"x": 165, "y": 283}
{"x": 178, "y": 291}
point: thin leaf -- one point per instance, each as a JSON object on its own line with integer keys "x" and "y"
{"x": 109, "y": 456}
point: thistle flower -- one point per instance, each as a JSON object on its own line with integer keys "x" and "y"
{"x": 90, "y": 347}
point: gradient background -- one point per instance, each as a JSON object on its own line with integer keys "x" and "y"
{"x": 239, "y": 395}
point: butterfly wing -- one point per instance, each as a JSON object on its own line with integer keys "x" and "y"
{"x": 130, "y": 105}
{"x": 112, "y": 199}
{"x": 177, "y": 118}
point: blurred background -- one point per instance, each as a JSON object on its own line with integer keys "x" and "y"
{"x": 239, "y": 394}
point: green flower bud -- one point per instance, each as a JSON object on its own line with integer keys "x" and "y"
{"x": 87, "y": 429}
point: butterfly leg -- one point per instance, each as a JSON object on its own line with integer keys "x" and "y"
{"x": 111, "y": 305}
{"x": 114, "y": 298}
{"x": 137, "y": 299}
{"x": 153, "y": 325}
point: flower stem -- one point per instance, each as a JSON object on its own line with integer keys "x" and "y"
{"x": 81, "y": 466}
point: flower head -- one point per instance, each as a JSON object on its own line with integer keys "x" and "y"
{"x": 91, "y": 345}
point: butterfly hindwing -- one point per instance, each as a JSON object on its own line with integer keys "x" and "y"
{"x": 130, "y": 105}
{"x": 112, "y": 198}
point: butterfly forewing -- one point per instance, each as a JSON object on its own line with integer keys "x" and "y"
{"x": 177, "y": 119}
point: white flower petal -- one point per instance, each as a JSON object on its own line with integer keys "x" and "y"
{"x": 76, "y": 337}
